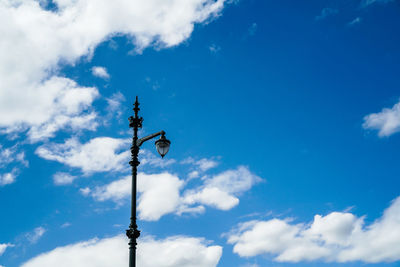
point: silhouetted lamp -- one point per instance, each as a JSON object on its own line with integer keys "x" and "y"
{"x": 162, "y": 145}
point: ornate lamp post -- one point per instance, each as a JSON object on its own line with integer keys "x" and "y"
{"x": 162, "y": 146}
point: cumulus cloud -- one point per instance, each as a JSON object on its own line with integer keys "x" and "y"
{"x": 100, "y": 72}
{"x": 234, "y": 181}
{"x": 211, "y": 196}
{"x": 387, "y": 122}
{"x": 116, "y": 191}
{"x": 36, "y": 234}
{"x": 100, "y": 154}
{"x": 164, "y": 193}
{"x": 221, "y": 191}
{"x": 38, "y": 42}
{"x": 45, "y": 108}
{"x": 336, "y": 237}
{"x": 159, "y": 194}
{"x": 177, "y": 251}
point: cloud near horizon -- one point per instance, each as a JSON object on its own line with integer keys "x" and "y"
{"x": 337, "y": 237}
{"x": 175, "y": 251}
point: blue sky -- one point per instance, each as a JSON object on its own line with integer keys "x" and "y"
{"x": 284, "y": 118}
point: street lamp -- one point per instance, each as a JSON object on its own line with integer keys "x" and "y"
{"x": 162, "y": 146}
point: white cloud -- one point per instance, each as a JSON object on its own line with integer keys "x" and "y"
{"x": 8, "y": 177}
{"x": 116, "y": 191}
{"x": 211, "y": 196}
{"x": 65, "y": 225}
{"x": 193, "y": 174}
{"x": 178, "y": 252}
{"x": 85, "y": 191}
{"x": 234, "y": 181}
{"x": 222, "y": 190}
{"x": 37, "y": 43}
{"x": 3, "y": 247}
{"x": 36, "y": 234}
{"x": 175, "y": 251}
{"x": 46, "y": 108}
{"x": 62, "y": 178}
{"x": 100, "y": 72}
{"x": 387, "y": 122}
{"x": 10, "y": 156}
{"x": 161, "y": 194}
{"x": 203, "y": 164}
{"x": 336, "y": 237}
{"x": 100, "y": 154}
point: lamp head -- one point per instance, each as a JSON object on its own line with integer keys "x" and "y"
{"x": 162, "y": 145}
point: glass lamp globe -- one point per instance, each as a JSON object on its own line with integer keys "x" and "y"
{"x": 162, "y": 146}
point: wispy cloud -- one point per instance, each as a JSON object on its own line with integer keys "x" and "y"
{"x": 355, "y": 21}
{"x": 36, "y": 234}
{"x": 14, "y": 158}
{"x": 252, "y": 29}
{"x": 114, "y": 107}
{"x": 365, "y": 3}
{"x": 214, "y": 48}
{"x": 203, "y": 164}
{"x": 326, "y": 12}
{"x": 65, "y": 225}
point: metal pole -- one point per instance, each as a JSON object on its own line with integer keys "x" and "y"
{"x": 133, "y": 233}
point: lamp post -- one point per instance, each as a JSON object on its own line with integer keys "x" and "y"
{"x": 162, "y": 146}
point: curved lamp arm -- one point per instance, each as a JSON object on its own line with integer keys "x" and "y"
{"x": 140, "y": 141}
